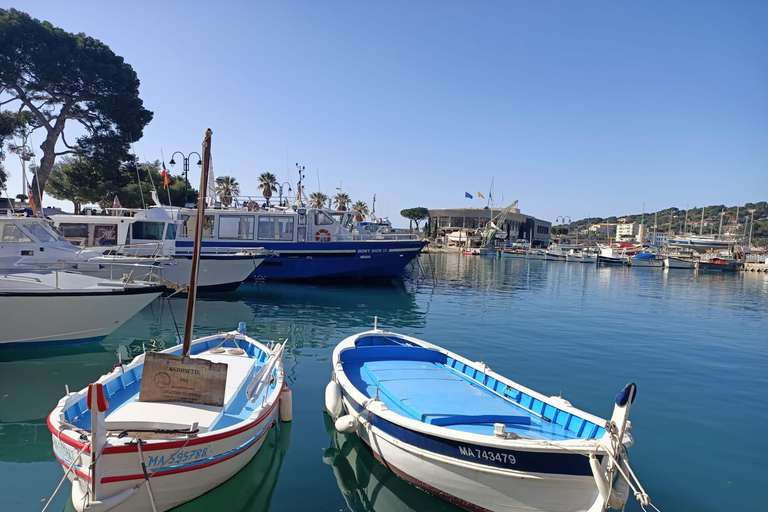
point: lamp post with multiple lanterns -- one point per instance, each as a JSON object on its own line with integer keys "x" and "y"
{"x": 185, "y": 168}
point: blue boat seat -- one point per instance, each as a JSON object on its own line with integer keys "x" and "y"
{"x": 459, "y": 419}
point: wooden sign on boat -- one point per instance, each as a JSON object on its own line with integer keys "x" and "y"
{"x": 172, "y": 378}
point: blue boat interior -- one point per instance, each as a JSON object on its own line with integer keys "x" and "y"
{"x": 125, "y": 388}
{"x": 428, "y": 386}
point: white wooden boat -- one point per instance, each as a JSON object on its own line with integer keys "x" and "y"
{"x": 462, "y": 432}
{"x": 171, "y": 425}
{"x": 536, "y": 254}
{"x": 186, "y": 449}
{"x": 58, "y": 307}
{"x": 672, "y": 262}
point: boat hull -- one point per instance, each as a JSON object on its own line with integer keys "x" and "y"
{"x": 451, "y": 446}
{"x": 69, "y": 317}
{"x": 216, "y": 274}
{"x": 719, "y": 267}
{"x": 186, "y": 449}
{"x": 475, "y": 486}
{"x": 608, "y": 260}
{"x": 363, "y": 259}
{"x": 175, "y": 488}
{"x": 637, "y": 262}
{"x": 676, "y": 263}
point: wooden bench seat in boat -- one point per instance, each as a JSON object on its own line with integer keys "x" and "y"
{"x": 181, "y": 416}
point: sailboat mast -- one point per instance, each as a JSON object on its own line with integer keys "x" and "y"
{"x": 192, "y": 294}
{"x": 701, "y": 229}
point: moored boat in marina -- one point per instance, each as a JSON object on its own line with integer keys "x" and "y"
{"x": 61, "y": 307}
{"x": 716, "y": 264}
{"x": 458, "y": 430}
{"x": 674, "y": 262}
{"x": 174, "y": 424}
{"x": 646, "y": 260}
{"x": 142, "y": 241}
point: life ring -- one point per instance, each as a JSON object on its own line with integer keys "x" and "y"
{"x": 323, "y": 235}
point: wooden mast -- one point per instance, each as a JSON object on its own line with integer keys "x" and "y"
{"x": 190, "y": 317}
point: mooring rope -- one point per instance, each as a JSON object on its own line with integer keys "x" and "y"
{"x": 66, "y": 473}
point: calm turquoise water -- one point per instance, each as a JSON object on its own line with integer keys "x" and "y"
{"x": 697, "y": 346}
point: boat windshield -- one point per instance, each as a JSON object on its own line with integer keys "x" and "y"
{"x": 170, "y": 233}
{"x": 40, "y": 232}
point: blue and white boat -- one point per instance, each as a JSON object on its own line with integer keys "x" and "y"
{"x": 646, "y": 259}
{"x": 307, "y": 243}
{"x": 458, "y": 430}
{"x": 125, "y": 454}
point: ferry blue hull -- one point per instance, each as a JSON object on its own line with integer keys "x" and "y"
{"x": 317, "y": 261}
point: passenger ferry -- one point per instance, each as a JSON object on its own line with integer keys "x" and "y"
{"x": 307, "y": 243}
{"x": 302, "y": 243}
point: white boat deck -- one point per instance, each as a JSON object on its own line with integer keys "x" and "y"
{"x": 175, "y": 415}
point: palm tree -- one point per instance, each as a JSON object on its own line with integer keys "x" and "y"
{"x": 317, "y": 200}
{"x": 267, "y": 185}
{"x": 341, "y": 200}
{"x": 361, "y": 210}
{"x": 227, "y": 187}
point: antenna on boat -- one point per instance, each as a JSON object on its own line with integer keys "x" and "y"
{"x": 192, "y": 294}
{"x": 375, "y": 322}
{"x": 138, "y": 176}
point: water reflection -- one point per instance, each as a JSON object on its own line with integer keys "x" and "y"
{"x": 252, "y": 488}
{"x": 367, "y": 485}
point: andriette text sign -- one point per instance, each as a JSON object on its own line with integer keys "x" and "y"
{"x": 170, "y": 378}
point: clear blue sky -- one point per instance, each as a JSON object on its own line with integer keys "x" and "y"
{"x": 574, "y": 107}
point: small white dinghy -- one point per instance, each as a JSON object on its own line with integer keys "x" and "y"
{"x": 171, "y": 425}
{"x": 462, "y": 432}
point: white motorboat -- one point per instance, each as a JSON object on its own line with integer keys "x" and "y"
{"x": 672, "y": 262}
{"x": 646, "y": 260}
{"x": 580, "y": 256}
{"x": 460, "y": 431}
{"x": 32, "y": 243}
{"x": 536, "y": 254}
{"x": 66, "y": 307}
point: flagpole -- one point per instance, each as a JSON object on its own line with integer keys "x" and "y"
{"x": 166, "y": 178}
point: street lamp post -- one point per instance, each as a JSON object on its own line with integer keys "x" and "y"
{"x": 300, "y": 170}
{"x": 280, "y": 187}
{"x": 185, "y": 169}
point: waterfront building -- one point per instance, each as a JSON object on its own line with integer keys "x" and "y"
{"x": 627, "y": 231}
{"x": 516, "y": 225}
{"x": 605, "y": 229}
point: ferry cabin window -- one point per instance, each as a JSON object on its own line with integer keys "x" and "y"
{"x": 190, "y": 221}
{"x": 239, "y": 227}
{"x": 105, "y": 234}
{"x": 77, "y": 233}
{"x": 12, "y": 233}
{"x": 275, "y": 227}
{"x": 41, "y": 233}
{"x": 170, "y": 233}
{"x": 148, "y": 230}
{"x": 321, "y": 219}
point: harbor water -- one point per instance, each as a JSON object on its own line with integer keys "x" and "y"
{"x": 695, "y": 344}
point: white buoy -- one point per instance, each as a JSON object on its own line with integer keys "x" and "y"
{"x": 286, "y": 406}
{"x": 333, "y": 399}
{"x": 346, "y": 424}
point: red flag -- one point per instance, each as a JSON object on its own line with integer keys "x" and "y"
{"x": 166, "y": 177}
